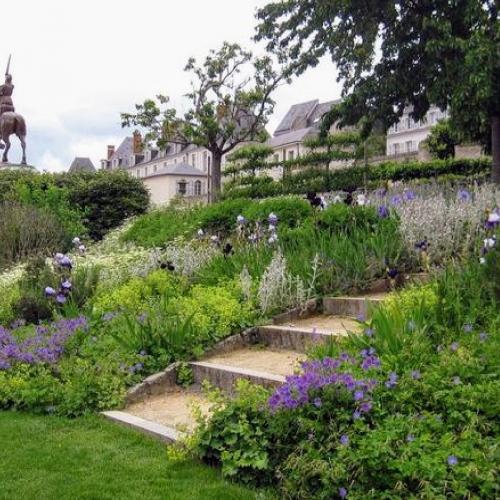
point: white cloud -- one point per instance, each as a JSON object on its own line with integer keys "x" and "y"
{"x": 51, "y": 162}
{"x": 78, "y": 65}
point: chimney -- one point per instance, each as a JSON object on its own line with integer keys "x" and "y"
{"x": 111, "y": 152}
{"x": 137, "y": 142}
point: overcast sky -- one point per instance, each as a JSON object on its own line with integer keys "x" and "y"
{"x": 77, "y": 65}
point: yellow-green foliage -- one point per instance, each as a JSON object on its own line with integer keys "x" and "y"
{"x": 410, "y": 298}
{"x": 216, "y": 311}
{"x": 134, "y": 295}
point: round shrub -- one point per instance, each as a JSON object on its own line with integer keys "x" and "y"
{"x": 290, "y": 210}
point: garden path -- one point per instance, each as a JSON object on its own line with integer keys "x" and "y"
{"x": 168, "y": 414}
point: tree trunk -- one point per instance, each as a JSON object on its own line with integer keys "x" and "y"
{"x": 216, "y": 176}
{"x": 495, "y": 148}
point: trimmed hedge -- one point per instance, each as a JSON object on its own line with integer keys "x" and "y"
{"x": 351, "y": 178}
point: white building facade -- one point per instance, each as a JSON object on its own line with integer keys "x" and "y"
{"x": 175, "y": 172}
{"x": 406, "y": 136}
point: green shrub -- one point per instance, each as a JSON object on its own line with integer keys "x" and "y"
{"x": 27, "y": 231}
{"x": 107, "y": 199}
{"x": 339, "y": 217}
{"x": 442, "y": 140}
{"x": 160, "y": 226}
{"x": 351, "y": 178}
{"x": 290, "y": 211}
{"x": 221, "y": 217}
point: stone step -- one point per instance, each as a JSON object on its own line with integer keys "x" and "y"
{"x": 167, "y": 416}
{"x": 356, "y": 307}
{"x": 260, "y": 366}
{"x": 153, "y": 429}
{"x": 301, "y": 334}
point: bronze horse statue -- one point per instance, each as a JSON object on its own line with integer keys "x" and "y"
{"x": 12, "y": 123}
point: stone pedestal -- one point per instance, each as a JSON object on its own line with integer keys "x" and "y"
{"x": 17, "y": 166}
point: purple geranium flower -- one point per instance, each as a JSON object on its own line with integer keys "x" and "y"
{"x": 416, "y": 375}
{"x": 273, "y": 218}
{"x": 49, "y": 291}
{"x": 452, "y": 460}
{"x": 342, "y": 492}
{"x": 344, "y": 439}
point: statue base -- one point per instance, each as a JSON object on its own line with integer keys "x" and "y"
{"x": 16, "y": 166}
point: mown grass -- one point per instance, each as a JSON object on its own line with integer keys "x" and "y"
{"x": 90, "y": 458}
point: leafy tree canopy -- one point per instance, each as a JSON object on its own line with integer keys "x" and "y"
{"x": 229, "y": 104}
{"x": 391, "y": 54}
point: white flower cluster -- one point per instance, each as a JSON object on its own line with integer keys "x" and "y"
{"x": 187, "y": 258}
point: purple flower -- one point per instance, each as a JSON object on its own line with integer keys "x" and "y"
{"x": 464, "y": 195}
{"x": 240, "y": 220}
{"x": 383, "y": 212}
{"x": 65, "y": 261}
{"x": 344, "y": 440}
{"x": 49, "y": 291}
{"x": 109, "y": 316}
{"x": 358, "y": 395}
{"x": 416, "y": 375}
{"x": 273, "y": 218}
{"x": 365, "y": 407}
{"x": 76, "y": 241}
{"x": 369, "y": 332}
{"x": 342, "y": 492}
{"x": 66, "y": 285}
{"x": 409, "y": 195}
{"x": 396, "y": 200}
{"x": 393, "y": 380}
{"x": 356, "y": 415}
{"x": 317, "y": 402}
{"x": 452, "y": 460}
{"x": 483, "y": 336}
{"x": 468, "y": 328}
{"x": 61, "y": 298}
{"x": 454, "y": 346}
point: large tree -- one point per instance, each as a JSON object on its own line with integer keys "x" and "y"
{"x": 391, "y": 54}
{"x": 229, "y": 104}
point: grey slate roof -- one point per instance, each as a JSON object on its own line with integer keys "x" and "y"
{"x": 124, "y": 151}
{"x": 80, "y": 164}
{"x": 182, "y": 169}
{"x": 300, "y": 121}
{"x": 289, "y": 137}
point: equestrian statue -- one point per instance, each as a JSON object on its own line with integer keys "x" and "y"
{"x": 10, "y": 122}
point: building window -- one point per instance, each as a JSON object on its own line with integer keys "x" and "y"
{"x": 182, "y": 187}
{"x": 184, "y": 159}
{"x": 155, "y": 168}
{"x": 146, "y": 172}
{"x": 193, "y": 160}
{"x": 205, "y": 161}
{"x": 409, "y": 146}
{"x": 409, "y": 122}
{"x": 396, "y": 148}
{"x": 291, "y": 155}
{"x": 396, "y": 126}
{"x": 276, "y": 157}
{"x": 197, "y": 188}
{"x": 175, "y": 161}
{"x": 432, "y": 118}
{"x": 209, "y": 163}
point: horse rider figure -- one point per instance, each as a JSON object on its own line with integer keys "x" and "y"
{"x": 6, "y": 91}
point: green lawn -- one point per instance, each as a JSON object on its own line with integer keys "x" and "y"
{"x": 90, "y": 458}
